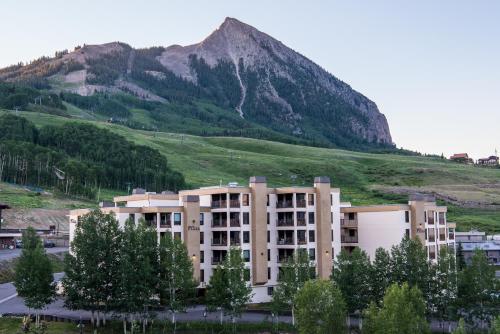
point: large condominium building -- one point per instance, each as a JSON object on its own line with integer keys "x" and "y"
{"x": 269, "y": 224}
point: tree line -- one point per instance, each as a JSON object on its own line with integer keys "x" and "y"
{"x": 79, "y": 159}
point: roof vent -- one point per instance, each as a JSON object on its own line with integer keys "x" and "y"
{"x": 138, "y": 191}
{"x": 232, "y": 184}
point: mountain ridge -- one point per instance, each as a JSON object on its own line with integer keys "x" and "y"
{"x": 236, "y": 67}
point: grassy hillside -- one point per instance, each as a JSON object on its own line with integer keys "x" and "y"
{"x": 472, "y": 193}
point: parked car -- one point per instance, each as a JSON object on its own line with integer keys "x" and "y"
{"x": 49, "y": 244}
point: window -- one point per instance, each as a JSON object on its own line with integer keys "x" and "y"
{"x": 268, "y": 255}
{"x": 352, "y": 216}
{"x": 267, "y": 200}
{"x": 202, "y": 219}
{"x": 246, "y": 218}
{"x": 407, "y": 232}
{"x": 312, "y": 254}
{"x": 131, "y": 217}
{"x": 331, "y": 199}
{"x": 425, "y": 216}
{"x": 245, "y": 199}
{"x": 202, "y": 238}
{"x": 177, "y": 235}
{"x": 268, "y": 236}
{"x": 202, "y": 275}
{"x": 177, "y": 218}
{"x": 202, "y": 256}
{"x": 246, "y": 255}
{"x": 331, "y": 234}
{"x": 246, "y": 274}
{"x": 310, "y": 199}
{"x": 268, "y": 219}
{"x": 311, "y": 217}
{"x": 407, "y": 216}
{"x": 246, "y": 237}
{"x": 311, "y": 236}
{"x": 268, "y": 273}
{"x": 270, "y": 290}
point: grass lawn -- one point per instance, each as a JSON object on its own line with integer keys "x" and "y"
{"x": 364, "y": 178}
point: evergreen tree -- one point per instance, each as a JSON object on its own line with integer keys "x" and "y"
{"x": 177, "y": 286}
{"x": 33, "y": 280}
{"x": 320, "y": 308}
{"x": 293, "y": 275}
{"x": 402, "y": 312}
{"x": 351, "y": 273}
{"x": 380, "y": 274}
{"x": 478, "y": 291}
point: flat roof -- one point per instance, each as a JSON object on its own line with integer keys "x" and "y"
{"x": 375, "y": 208}
{"x": 483, "y": 245}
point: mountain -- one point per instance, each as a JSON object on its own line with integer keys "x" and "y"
{"x": 238, "y": 81}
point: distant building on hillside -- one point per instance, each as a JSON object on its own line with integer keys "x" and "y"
{"x": 461, "y": 158}
{"x": 491, "y": 250}
{"x": 470, "y": 236}
{"x": 491, "y": 161}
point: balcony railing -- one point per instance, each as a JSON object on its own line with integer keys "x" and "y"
{"x": 301, "y": 203}
{"x": 235, "y": 242}
{"x": 219, "y": 223}
{"x": 348, "y": 239}
{"x": 219, "y": 204}
{"x": 284, "y": 204}
{"x": 302, "y": 241}
{"x": 451, "y": 236}
{"x": 284, "y": 241}
{"x": 442, "y": 237}
{"x": 219, "y": 242}
{"x": 283, "y": 259}
{"x": 348, "y": 223}
{"x": 430, "y": 220}
{"x": 151, "y": 223}
{"x": 216, "y": 261}
{"x": 284, "y": 222}
{"x": 234, "y": 203}
{"x": 235, "y": 222}
{"x": 301, "y": 222}
{"x": 432, "y": 238}
{"x": 165, "y": 224}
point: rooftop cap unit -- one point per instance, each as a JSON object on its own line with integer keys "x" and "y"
{"x": 138, "y": 191}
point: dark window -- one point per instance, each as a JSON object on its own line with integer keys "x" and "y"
{"x": 202, "y": 256}
{"x": 312, "y": 254}
{"x": 351, "y": 216}
{"x": 268, "y": 236}
{"x": 202, "y": 218}
{"x": 425, "y": 216}
{"x": 268, "y": 255}
{"x": 310, "y": 199}
{"x": 202, "y": 275}
{"x": 268, "y": 219}
{"x": 268, "y": 273}
{"x": 407, "y": 216}
{"x": 332, "y": 234}
{"x": 246, "y": 255}
{"x": 202, "y": 238}
{"x": 246, "y": 237}
{"x": 131, "y": 217}
{"x": 245, "y": 200}
{"x": 267, "y": 200}
{"x": 270, "y": 290}
{"x": 407, "y": 232}
{"x": 177, "y": 218}
{"x": 246, "y": 218}
{"x": 311, "y": 217}
{"x": 311, "y": 236}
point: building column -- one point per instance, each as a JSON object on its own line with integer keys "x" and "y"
{"x": 258, "y": 235}
{"x": 323, "y": 227}
{"x": 191, "y": 231}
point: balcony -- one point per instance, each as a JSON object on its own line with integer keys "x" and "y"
{"x": 219, "y": 242}
{"x": 284, "y": 241}
{"x": 235, "y": 242}
{"x": 234, "y": 203}
{"x": 284, "y": 223}
{"x": 301, "y": 203}
{"x": 442, "y": 220}
{"x": 217, "y": 261}
{"x": 301, "y": 221}
{"x": 349, "y": 223}
{"x": 234, "y": 222}
{"x": 219, "y": 223}
{"x": 219, "y": 204}
{"x": 442, "y": 237}
{"x": 451, "y": 236}
{"x": 301, "y": 241}
{"x": 284, "y": 204}
{"x": 349, "y": 239}
{"x": 432, "y": 238}
{"x": 430, "y": 220}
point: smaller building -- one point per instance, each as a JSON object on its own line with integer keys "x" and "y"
{"x": 462, "y": 158}
{"x": 490, "y": 248}
{"x": 491, "y": 161}
{"x": 470, "y": 236}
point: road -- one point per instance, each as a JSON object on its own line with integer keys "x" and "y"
{"x": 8, "y": 254}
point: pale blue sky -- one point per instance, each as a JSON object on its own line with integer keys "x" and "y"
{"x": 433, "y": 67}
